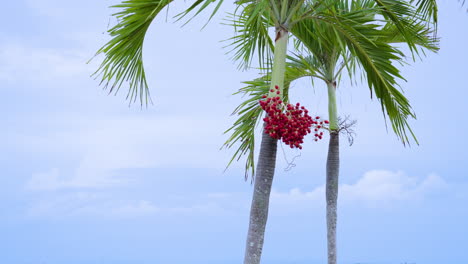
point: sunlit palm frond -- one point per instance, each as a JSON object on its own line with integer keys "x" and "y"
{"x": 423, "y": 36}
{"x": 123, "y": 61}
{"x": 326, "y": 33}
{"x": 399, "y": 12}
{"x": 360, "y": 36}
{"x": 427, "y": 8}
{"x": 198, "y": 6}
{"x": 251, "y": 38}
{"x": 377, "y": 61}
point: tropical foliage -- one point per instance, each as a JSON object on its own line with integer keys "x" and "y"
{"x": 359, "y": 42}
{"x": 327, "y": 34}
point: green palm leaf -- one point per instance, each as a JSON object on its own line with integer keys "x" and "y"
{"x": 251, "y": 33}
{"x": 427, "y": 8}
{"x": 123, "y": 61}
{"x": 360, "y": 36}
{"x": 201, "y": 5}
{"x": 346, "y": 30}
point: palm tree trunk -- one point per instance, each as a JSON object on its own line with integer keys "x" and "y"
{"x": 266, "y": 163}
{"x": 333, "y": 168}
{"x": 261, "y": 199}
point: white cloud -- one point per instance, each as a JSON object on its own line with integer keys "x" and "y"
{"x": 45, "y": 181}
{"x": 296, "y": 195}
{"x": 63, "y": 205}
{"x": 376, "y": 187}
{"x": 22, "y": 62}
{"x": 90, "y": 204}
{"x": 84, "y": 177}
{"x": 104, "y": 205}
{"x": 109, "y": 144}
{"x": 380, "y": 186}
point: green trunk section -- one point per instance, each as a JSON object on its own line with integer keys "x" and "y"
{"x": 279, "y": 62}
{"x": 332, "y": 109}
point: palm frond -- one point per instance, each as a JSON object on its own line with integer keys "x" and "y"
{"x": 398, "y": 12}
{"x": 123, "y": 61}
{"x": 360, "y": 36}
{"x": 198, "y": 6}
{"x": 427, "y": 8}
{"x": 251, "y": 34}
{"x": 422, "y": 36}
{"x": 376, "y": 59}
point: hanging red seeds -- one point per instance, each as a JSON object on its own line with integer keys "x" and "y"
{"x": 289, "y": 123}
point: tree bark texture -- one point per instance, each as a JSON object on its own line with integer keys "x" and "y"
{"x": 331, "y": 193}
{"x": 261, "y": 199}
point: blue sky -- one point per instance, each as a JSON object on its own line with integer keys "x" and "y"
{"x": 87, "y": 179}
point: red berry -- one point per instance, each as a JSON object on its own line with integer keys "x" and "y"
{"x": 288, "y": 123}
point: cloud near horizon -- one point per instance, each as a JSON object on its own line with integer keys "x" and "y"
{"x": 375, "y": 188}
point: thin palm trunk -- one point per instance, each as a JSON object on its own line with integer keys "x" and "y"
{"x": 266, "y": 164}
{"x": 333, "y": 168}
{"x": 261, "y": 199}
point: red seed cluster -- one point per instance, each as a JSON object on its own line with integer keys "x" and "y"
{"x": 290, "y": 123}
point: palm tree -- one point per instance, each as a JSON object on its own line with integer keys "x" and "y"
{"x": 325, "y": 41}
{"x": 123, "y": 62}
{"x": 323, "y": 64}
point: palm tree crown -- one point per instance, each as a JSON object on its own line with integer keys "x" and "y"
{"x": 339, "y": 35}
